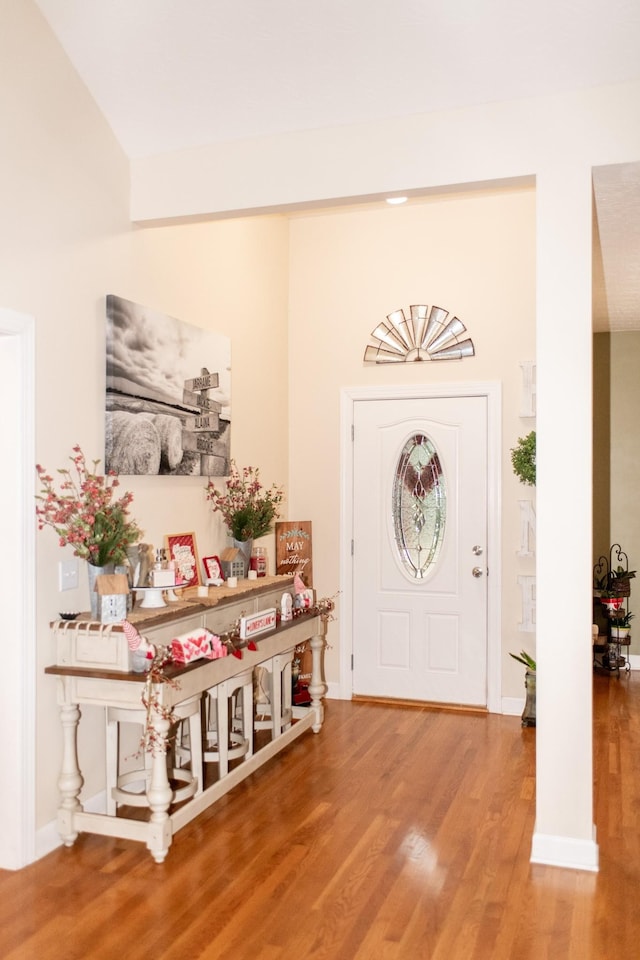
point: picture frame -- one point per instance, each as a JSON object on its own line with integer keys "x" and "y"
{"x": 165, "y": 413}
{"x": 182, "y": 549}
{"x": 213, "y": 568}
{"x": 294, "y": 549}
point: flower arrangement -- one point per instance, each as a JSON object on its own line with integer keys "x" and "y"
{"x": 247, "y": 508}
{"x": 84, "y": 513}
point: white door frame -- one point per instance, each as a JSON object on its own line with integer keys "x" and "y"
{"x": 17, "y": 574}
{"x": 492, "y": 390}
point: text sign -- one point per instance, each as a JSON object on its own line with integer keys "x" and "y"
{"x": 199, "y": 400}
{"x": 258, "y": 623}
{"x": 208, "y": 423}
{"x": 204, "y": 382}
{"x": 198, "y": 443}
{"x": 294, "y": 549}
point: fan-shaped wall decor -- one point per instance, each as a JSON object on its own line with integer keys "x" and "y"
{"x": 428, "y": 334}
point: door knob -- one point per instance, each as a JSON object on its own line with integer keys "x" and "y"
{"x": 477, "y": 550}
{"x": 477, "y": 571}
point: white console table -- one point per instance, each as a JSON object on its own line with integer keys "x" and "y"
{"x": 119, "y": 688}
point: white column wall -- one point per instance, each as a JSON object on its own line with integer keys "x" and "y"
{"x": 564, "y": 776}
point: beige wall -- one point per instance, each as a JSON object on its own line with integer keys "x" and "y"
{"x": 601, "y": 444}
{"x": 65, "y": 242}
{"x": 558, "y": 140}
{"x": 471, "y": 254}
{"x": 617, "y": 466}
{"x": 70, "y": 242}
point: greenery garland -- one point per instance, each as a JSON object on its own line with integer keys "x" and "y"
{"x": 523, "y": 458}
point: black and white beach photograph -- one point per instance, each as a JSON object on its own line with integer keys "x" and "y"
{"x": 168, "y": 394}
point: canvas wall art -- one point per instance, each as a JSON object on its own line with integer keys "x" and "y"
{"x": 168, "y": 395}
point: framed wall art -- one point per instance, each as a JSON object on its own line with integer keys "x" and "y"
{"x": 181, "y": 548}
{"x": 168, "y": 394}
{"x": 294, "y": 549}
{"x": 213, "y": 568}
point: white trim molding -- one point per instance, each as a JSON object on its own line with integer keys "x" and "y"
{"x": 565, "y": 852}
{"x": 17, "y": 572}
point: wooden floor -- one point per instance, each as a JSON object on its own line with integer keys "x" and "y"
{"x": 395, "y": 833}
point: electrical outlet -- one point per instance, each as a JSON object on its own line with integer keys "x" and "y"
{"x": 68, "y": 574}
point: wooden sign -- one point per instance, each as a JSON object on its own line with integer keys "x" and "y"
{"x": 205, "y": 381}
{"x": 294, "y": 549}
{"x": 199, "y": 400}
{"x": 207, "y": 423}
{"x": 203, "y": 444}
{"x": 200, "y": 434}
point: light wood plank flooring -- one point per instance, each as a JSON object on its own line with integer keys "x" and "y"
{"x": 395, "y": 833}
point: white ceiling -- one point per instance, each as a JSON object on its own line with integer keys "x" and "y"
{"x": 180, "y": 73}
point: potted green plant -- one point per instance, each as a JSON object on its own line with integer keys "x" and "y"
{"x": 613, "y": 587}
{"x": 248, "y": 509}
{"x": 523, "y": 459}
{"x": 529, "y": 712}
{"x": 621, "y": 625}
{"x": 619, "y": 582}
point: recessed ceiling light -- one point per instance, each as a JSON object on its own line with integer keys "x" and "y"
{"x": 395, "y": 200}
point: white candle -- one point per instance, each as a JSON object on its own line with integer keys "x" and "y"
{"x": 232, "y": 581}
{"x": 253, "y": 575}
{"x": 203, "y": 591}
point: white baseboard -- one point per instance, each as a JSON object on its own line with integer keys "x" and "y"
{"x": 48, "y": 838}
{"x": 512, "y": 706}
{"x": 334, "y": 692}
{"x": 565, "y": 852}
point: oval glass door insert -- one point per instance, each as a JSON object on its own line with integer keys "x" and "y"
{"x": 419, "y": 506}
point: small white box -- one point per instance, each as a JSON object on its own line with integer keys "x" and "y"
{"x": 163, "y": 578}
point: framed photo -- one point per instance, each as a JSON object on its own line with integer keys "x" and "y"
{"x": 213, "y": 568}
{"x": 155, "y": 375}
{"x": 181, "y": 547}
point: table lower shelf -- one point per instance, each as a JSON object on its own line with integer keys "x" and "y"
{"x": 158, "y": 835}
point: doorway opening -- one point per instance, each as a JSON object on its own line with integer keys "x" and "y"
{"x": 17, "y": 576}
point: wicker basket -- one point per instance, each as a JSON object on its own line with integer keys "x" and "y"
{"x": 622, "y": 586}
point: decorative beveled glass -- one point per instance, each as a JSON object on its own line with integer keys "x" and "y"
{"x": 419, "y": 506}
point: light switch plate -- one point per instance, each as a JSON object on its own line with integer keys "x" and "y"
{"x": 68, "y": 574}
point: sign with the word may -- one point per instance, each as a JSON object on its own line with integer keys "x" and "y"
{"x": 293, "y": 549}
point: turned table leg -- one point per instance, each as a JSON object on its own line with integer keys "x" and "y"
{"x": 317, "y": 687}
{"x": 159, "y": 792}
{"x": 70, "y": 780}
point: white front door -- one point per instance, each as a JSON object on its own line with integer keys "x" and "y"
{"x": 419, "y": 551}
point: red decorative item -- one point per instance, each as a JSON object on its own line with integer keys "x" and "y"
{"x": 612, "y": 603}
{"x": 133, "y": 637}
{"x": 198, "y": 645}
